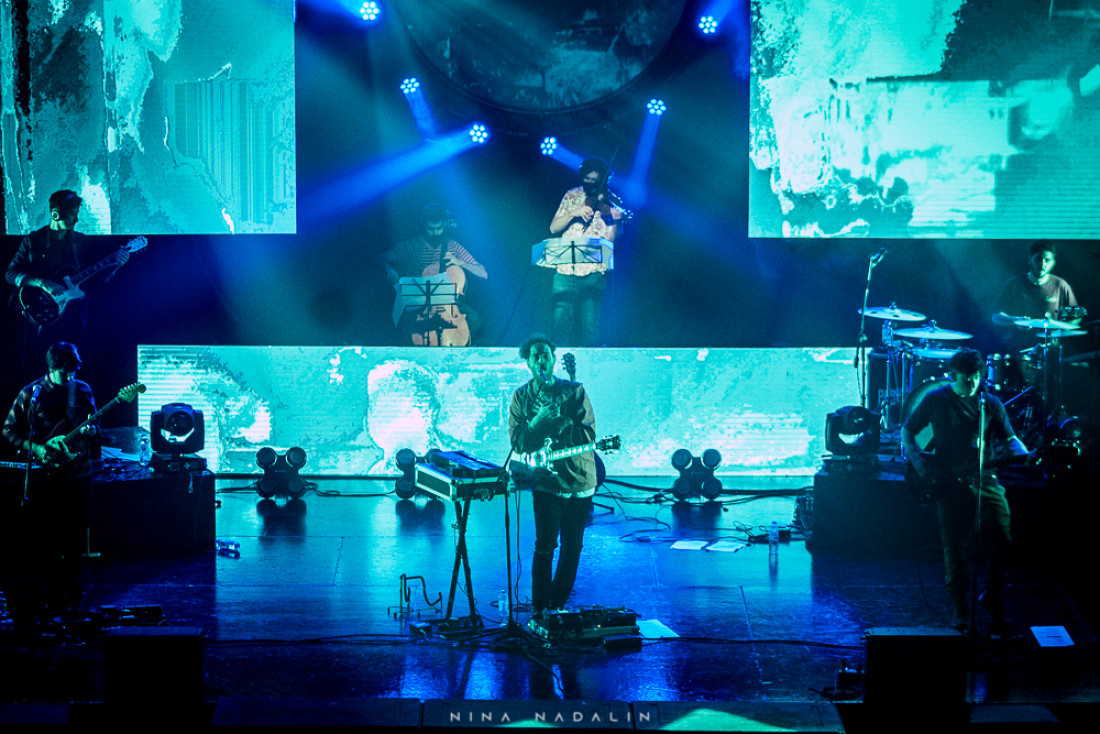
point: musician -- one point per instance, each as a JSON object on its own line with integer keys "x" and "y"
{"x": 50, "y": 528}
{"x": 544, "y": 408}
{"x": 432, "y": 251}
{"x": 954, "y": 412}
{"x": 578, "y": 289}
{"x": 46, "y": 254}
{"x": 1036, "y": 294}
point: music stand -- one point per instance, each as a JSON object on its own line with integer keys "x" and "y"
{"x": 573, "y": 251}
{"x": 419, "y": 294}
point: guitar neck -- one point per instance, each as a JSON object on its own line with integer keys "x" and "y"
{"x": 88, "y": 272}
{"x": 571, "y": 451}
{"x": 93, "y": 417}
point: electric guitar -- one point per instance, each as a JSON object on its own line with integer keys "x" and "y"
{"x": 57, "y": 446}
{"x": 42, "y": 308}
{"x": 545, "y": 457}
{"x": 946, "y": 478}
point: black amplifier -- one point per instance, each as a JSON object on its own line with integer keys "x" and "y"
{"x": 457, "y": 475}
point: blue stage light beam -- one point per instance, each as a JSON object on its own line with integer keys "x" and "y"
{"x": 364, "y": 185}
{"x": 551, "y": 147}
{"x": 418, "y": 103}
{"x": 633, "y": 188}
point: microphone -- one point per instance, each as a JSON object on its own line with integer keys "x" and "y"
{"x": 877, "y": 257}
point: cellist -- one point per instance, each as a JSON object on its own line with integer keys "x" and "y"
{"x": 431, "y": 252}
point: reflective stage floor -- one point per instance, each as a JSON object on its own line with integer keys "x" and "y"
{"x": 306, "y": 623}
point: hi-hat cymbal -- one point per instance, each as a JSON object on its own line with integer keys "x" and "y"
{"x": 1048, "y": 324}
{"x": 891, "y": 313}
{"x": 1059, "y": 333}
{"x": 933, "y": 332}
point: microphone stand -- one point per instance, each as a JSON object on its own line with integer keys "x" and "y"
{"x": 861, "y": 342}
{"x": 972, "y": 615}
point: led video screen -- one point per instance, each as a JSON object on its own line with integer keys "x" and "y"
{"x": 353, "y": 408}
{"x": 925, "y": 118}
{"x": 166, "y": 116}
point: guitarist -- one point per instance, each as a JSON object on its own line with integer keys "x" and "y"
{"x": 47, "y": 254}
{"x": 954, "y": 412}
{"x": 51, "y": 522}
{"x": 549, "y": 407}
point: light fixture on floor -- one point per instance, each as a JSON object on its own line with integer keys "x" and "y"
{"x": 696, "y": 474}
{"x": 852, "y": 431}
{"x": 281, "y": 472}
{"x": 177, "y": 432}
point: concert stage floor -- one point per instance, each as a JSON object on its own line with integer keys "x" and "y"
{"x": 305, "y": 627}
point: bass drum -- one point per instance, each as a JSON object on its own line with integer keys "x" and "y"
{"x": 912, "y": 400}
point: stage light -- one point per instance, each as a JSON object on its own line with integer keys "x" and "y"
{"x": 549, "y": 145}
{"x": 410, "y": 85}
{"x": 656, "y": 107}
{"x": 708, "y": 25}
{"x": 281, "y": 472}
{"x": 479, "y": 133}
{"x": 848, "y": 422}
{"x": 371, "y": 11}
{"x": 696, "y": 474}
{"x": 177, "y": 428}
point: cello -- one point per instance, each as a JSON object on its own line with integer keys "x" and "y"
{"x": 443, "y": 325}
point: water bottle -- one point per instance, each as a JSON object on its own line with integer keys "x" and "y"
{"x": 502, "y": 607}
{"x": 773, "y": 539}
{"x": 143, "y": 451}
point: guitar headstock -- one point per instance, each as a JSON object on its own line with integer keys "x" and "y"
{"x": 569, "y": 362}
{"x": 610, "y": 443}
{"x": 136, "y": 245}
{"x": 128, "y": 393}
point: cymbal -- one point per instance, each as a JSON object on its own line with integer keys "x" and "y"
{"x": 932, "y": 332}
{"x": 892, "y": 313}
{"x": 1044, "y": 324}
{"x": 1059, "y": 333}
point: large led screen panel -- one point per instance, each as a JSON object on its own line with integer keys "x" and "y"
{"x": 925, "y": 118}
{"x": 353, "y": 408}
{"x": 166, "y": 116}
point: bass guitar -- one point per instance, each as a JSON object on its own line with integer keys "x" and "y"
{"x": 945, "y": 478}
{"x": 57, "y": 446}
{"x": 42, "y": 308}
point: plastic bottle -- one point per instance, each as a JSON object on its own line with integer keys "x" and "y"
{"x": 502, "y": 607}
{"x": 143, "y": 451}
{"x": 773, "y": 538}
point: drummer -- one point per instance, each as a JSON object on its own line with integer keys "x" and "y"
{"x": 1036, "y": 294}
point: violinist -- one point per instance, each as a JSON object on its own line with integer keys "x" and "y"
{"x": 578, "y": 288}
{"x": 431, "y": 252}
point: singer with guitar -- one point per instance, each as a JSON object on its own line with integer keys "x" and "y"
{"x": 950, "y": 475}
{"x": 48, "y": 529}
{"x": 544, "y": 408}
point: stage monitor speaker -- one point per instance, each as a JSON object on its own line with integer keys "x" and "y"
{"x": 153, "y": 666}
{"x": 915, "y": 663}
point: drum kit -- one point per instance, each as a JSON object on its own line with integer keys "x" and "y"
{"x": 1029, "y": 383}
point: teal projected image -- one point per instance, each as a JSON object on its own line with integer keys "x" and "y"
{"x": 353, "y": 408}
{"x": 924, "y": 118}
{"x": 165, "y": 116}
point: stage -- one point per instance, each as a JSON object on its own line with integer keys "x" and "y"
{"x": 304, "y": 623}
